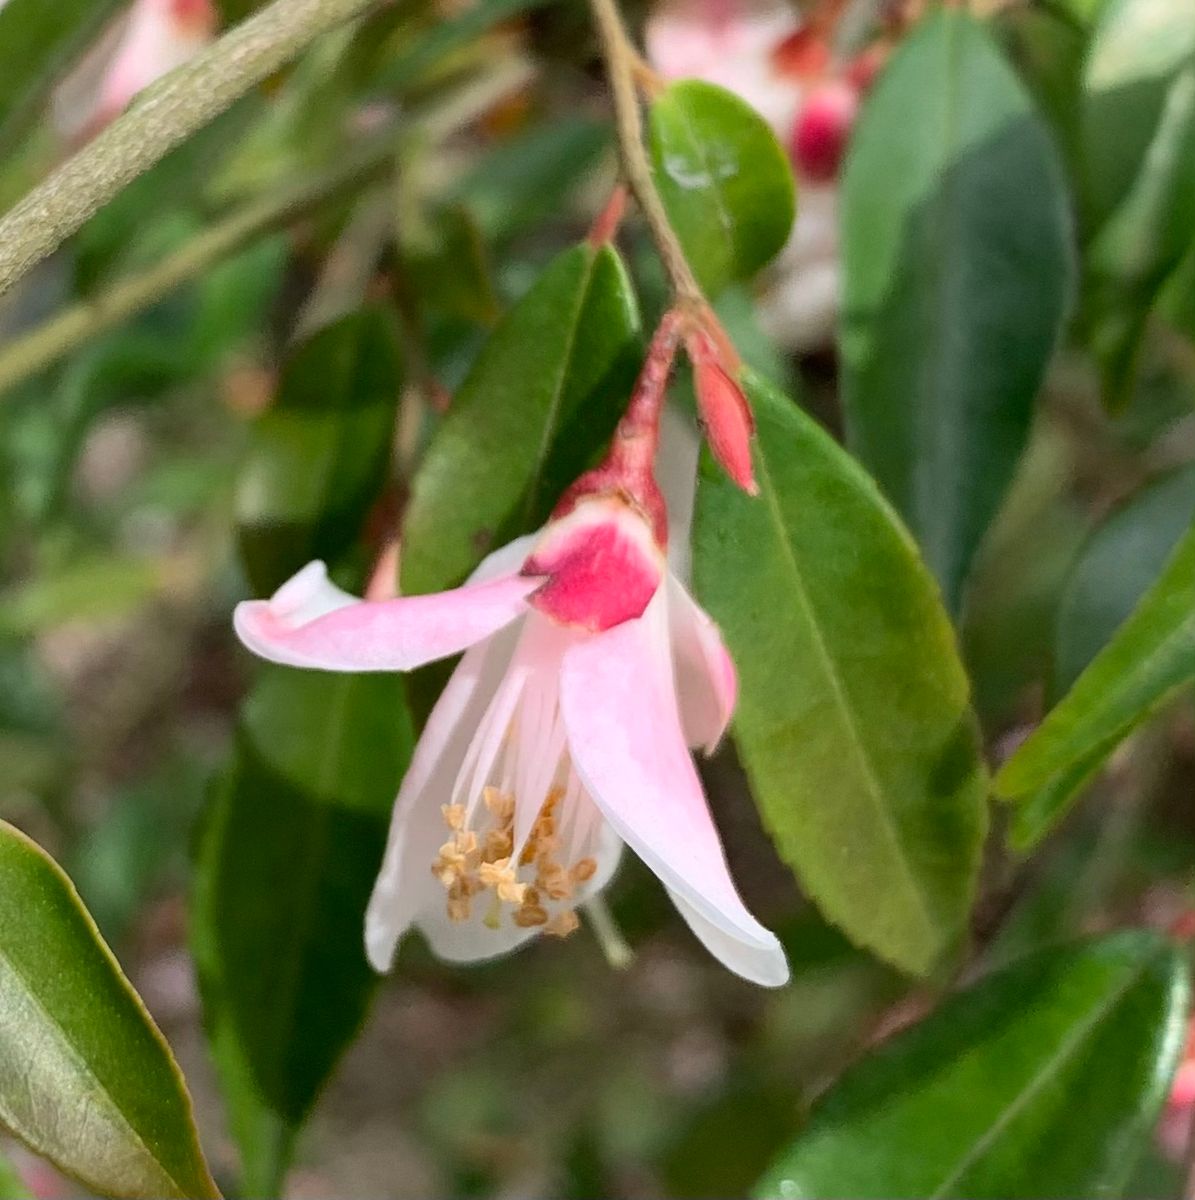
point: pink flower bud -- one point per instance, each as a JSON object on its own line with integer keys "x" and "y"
{"x": 724, "y": 410}
{"x": 822, "y": 128}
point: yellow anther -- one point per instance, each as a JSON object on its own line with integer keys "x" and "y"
{"x": 454, "y": 815}
{"x": 500, "y": 876}
{"x": 555, "y": 881}
{"x": 501, "y": 804}
{"x": 498, "y": 844}
{"x": 562, "y": 924}
{"x": 583, "y": 870}
{"x": 530, "y": 915}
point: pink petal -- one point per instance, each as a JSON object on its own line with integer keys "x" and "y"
{"x": 619, "y": 704}
{"x": 706, "y": 682}
{"x": 602, "y": 565}
{"x": 406, "y": 887}
{"x": 311, "y": 623}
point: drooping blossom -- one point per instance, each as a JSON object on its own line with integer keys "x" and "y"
{"x": 153, "y": 38}
{"x": 784, "y": 66}
{"x": 565, "y": 732}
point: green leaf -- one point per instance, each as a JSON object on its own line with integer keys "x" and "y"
{"x": 291, "y": 847}
{"x": 544, "y": 394}
{"x": 853, "y": 721}
{"x": 1043, "y": 1080}
{"x": 1151, "y": 655}
{"x": 320, "y": 455}
{"x": 526, "y": 180}
{"x": 957, "y": 272}
{"x": 1139, "y": 49}
{"x": 38, "y": 42}
{"x": 725, "y": 181}
{"x": 1119, "y": 561}
{"x": 1144, "y": 241}
{"x": 86, "y": 1079}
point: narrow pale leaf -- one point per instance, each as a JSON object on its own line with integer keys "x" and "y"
{"x": 854, "y": 721}
{"x": 543, "y": 395}
{"x": 957, "y": 275}
{"x": 724, "y": 179}
{"x": 1151, "y": 655}
{"x": 1041, "y": 1082}
{"x": 86, "y": 1079}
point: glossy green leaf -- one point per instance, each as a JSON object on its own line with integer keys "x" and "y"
{"x": 725, "y": 181}
{"x": 1041, "y": 1081}
{"x": 1139, "y": 49}
{"x": 86, "y": 1079}
{"x": 544, "y": 394}
{"x": 957, "y": 274}
{"x": 1117, "y": 564}
{"x": 1151, "y": 655}
{"x": 38, "y": 42}
{"x": 292, "y": 843}
{"x": 320, "y": 454}
{"x": 853, "y": 720}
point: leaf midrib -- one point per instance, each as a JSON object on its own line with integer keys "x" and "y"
{"x": 1069, "y": 1047}
{"x": 841, "y": 700}
{"x": 80, "y": 1059}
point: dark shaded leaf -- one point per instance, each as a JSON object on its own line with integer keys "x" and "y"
{"x": 320, "y": 455}
{"x": 1119, "y": 561}
{"x": 1041, "y": 1081}
{"x": 292, "y": 844}
{"x": 957, "y": 275}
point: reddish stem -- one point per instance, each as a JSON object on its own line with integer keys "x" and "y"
{"x": 606, "y": 224}
{"x": 633, "y": 449}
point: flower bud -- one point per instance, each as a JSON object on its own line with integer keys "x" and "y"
{"x": 822, "y": 128}
{"x": 725, "y": 412}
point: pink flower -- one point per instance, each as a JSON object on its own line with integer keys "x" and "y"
{"x": 588, "y": 673}
{"x": 154, "y": 38}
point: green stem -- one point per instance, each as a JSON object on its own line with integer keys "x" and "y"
{"x": 161, "y": 117}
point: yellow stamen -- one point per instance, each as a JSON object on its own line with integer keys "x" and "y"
{"x": 562, "y": 924}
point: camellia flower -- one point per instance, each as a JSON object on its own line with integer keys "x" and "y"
{"x": 565, "y": 731}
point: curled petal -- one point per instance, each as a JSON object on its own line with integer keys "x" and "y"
{"x": 311, "y": 623}
{"x": 706, "y": 681}
{"x": 619, "y": 705}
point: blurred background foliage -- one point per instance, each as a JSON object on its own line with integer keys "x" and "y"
{"x": 345, "y": 239}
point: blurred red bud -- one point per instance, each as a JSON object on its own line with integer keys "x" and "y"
{"x": 724, "y": 410}
{"x": 822, "y": 129}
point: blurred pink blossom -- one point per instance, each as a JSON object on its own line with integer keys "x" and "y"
{"x": 153, "y": 38}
